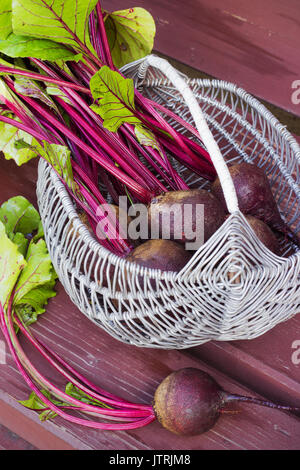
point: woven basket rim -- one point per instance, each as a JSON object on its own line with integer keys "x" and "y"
{"x": 209, "y": 300}
{"x": 258, "y": 106}
{"x": 121, "y": 313}
{"x": 238, "y": 90}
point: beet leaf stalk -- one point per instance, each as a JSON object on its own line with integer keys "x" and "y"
{"x": 130, "y": 415}
{"x": 28, "y": 281}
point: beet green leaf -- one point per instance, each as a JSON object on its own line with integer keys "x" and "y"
{"x": 65, "y": 22}
{"x": 115, "y": 96}
{"x": 130, "y": 34}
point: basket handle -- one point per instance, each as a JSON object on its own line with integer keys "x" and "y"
{"x": 201, "y": 125}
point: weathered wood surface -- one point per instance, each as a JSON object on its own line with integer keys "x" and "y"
{"x": 133, "y": 373}
{"x": 10, "y": 440}
{"x": 253, "y": 44}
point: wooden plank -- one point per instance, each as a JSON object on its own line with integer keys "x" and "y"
{"x": 26, "y": 425}
{"x": 268, "y": 364}
{"x": 253, "y": 44}
{"x": 133, "y": 373}
{"x": 11, "y": 441}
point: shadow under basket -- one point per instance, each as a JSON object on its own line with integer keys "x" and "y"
{"x": 233, "y": 288}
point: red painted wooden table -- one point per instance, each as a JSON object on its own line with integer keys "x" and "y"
{"x": 254, "y": 45}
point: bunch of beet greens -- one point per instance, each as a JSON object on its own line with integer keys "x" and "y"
{"x": 63, "y": 99}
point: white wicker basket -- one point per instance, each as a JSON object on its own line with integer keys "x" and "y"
{"x": 233, "y": 288}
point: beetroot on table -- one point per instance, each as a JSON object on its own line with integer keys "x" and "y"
{"x": 189, "y": 402}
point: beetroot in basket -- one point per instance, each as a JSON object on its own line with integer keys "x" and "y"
{"x": 255, "y": 196}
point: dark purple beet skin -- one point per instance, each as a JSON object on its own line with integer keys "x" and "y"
{"x": 165, "y": 255}
{"x": 253, "y": 192}
{"x": 213, "y": 217}
{"x": 255, "y": 197}
{"x": 188, "y": 402}
{"x": 264, "y": 233}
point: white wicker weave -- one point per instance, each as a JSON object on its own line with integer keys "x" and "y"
{"x": 233, "y": 288}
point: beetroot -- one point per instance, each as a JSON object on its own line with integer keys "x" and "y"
{"x": 255, "y": 196}
{"x": 165, "y": 255}
{"x": 253, "y": 192}
{"x": 169, "y": 215}
{"x": 84, "y": 220}
{"x": 189, "y": 402}
{"x": 264, "y": 233}
{"x": 160, "y": 254}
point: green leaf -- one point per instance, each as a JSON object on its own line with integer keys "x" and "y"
{"x": 33, "y": 304}
{"x": 59, "y": 157}
{"x": 116, "y": 98}
{"x": 10, "y": 136}
{"x": 5, "y": 18}
{"x": 35, "y": 403}
{"x": 39, "y": 233}
{"x": 22, "y": 147}
{"x": 28, "y": 87}
{"x": 47, "y": 414}
{"x": 62, "y": 63}
{"x": 26, "y": 46}
{"x": 37, "y": 298}
{"x": 36, "y": 283}
{"x": 54, "y": 90}
{"x": 25, "y": 266}
{"x": 75, "y": 392}
{"x": 19, "y": 215}
{"x": 6, "y": 93}
{"x": 21, "y": 241}
{"x": 130, "y": 34}
{"x": 37, "y": 272}
{"x": 62, "y": 21}
{"x": 11, "y": 264}
{"x": 5, "y": 63}
{"x": 146, "y": 137}
{"x": 26, "y": 314}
